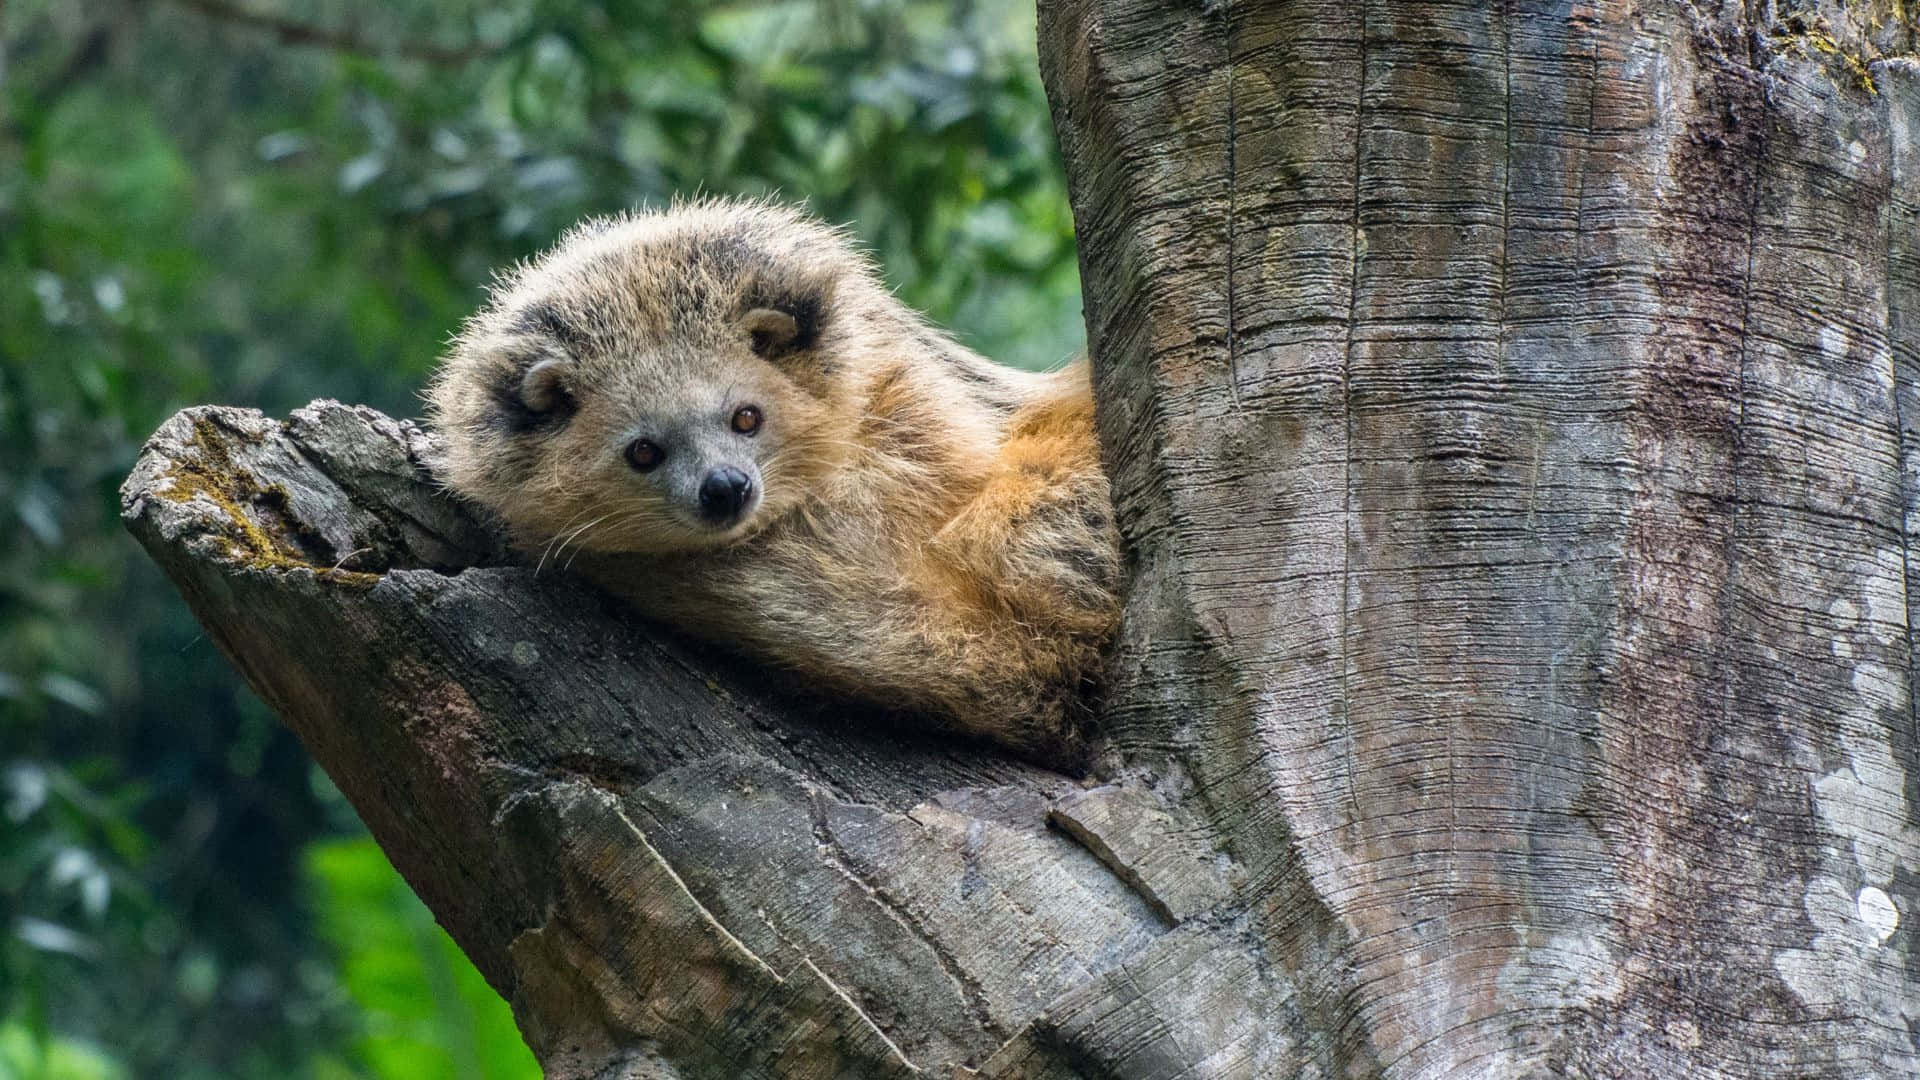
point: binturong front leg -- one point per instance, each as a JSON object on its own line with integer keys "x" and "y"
{"x": 1038, "y": 557}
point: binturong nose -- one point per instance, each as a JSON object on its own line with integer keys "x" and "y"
{"x": 724, "y": 493}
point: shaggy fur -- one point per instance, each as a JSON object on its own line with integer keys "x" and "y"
{"x": 928, "y": 530}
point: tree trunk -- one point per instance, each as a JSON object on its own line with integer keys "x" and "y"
{"x": 1509, "y": 409}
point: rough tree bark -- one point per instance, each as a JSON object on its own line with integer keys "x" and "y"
{"x": 1511, "y": 409}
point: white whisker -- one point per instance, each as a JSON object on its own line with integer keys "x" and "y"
{"x": 570, "y": 537}
{"x": 548, "y": 547}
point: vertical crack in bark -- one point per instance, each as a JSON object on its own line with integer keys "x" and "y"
{"x": 1895, "y": 323}
{"x": 1586, "y": 159}
{"x": 800, "y": 951}
{"x": 1730, "y": 673}
{"x": 1506, "y": 182}
{"x": 1233, "y": 215}
{"x": 1505, "y": 16}
{"x": 847, "y": 999}
{"x": 858, "y": 1011}
{"x": 968, "y": 987}
{"x": 610, "y": 801}
{"x": 1346, "y": 393}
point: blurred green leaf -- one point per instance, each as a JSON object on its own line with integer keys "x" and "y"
{"x": 428, "y": 1013}
{"x": 29, "y": 1055}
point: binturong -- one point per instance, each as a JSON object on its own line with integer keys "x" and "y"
{"x": 720, "y": 414}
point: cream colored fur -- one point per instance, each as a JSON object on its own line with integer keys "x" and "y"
{"x": 931, "y": 532}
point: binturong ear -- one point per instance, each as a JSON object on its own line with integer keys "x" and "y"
{"x": 784, "y": 314}
{"x": 771, "y": 332}
{"x": 543, "y": 389}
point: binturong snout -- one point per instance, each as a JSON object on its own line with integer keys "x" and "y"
{"x": 725, "y": 494}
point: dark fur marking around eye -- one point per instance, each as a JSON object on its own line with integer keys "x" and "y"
{"x": 512, "y": 415}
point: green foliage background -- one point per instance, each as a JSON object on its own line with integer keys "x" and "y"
{"x": 257, "y": 202}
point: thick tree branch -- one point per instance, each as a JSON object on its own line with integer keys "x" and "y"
{"x": 646, "y": 849}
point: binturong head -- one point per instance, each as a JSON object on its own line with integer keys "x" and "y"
{"x": 658, "y": 382}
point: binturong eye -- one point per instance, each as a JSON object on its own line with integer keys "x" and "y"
{"x": 746, "y": 419}
{"x": 644, "y": 455}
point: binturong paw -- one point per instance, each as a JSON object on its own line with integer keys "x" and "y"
{"x": 1043, "y": 539}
